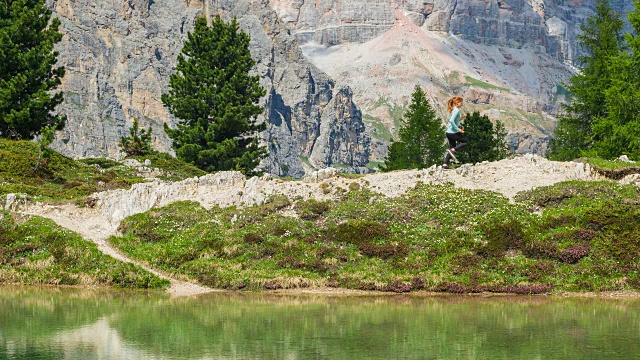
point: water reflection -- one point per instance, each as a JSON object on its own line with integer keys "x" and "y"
{"x": 93, "y": 324}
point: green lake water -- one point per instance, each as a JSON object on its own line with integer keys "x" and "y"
{"x": 93, "y": 324}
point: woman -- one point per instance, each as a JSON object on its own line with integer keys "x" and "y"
{"x": 454, "y": 132}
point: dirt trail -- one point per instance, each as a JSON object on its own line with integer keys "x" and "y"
{"x": 91, "y": 225}
{"x": 97, "y": 223}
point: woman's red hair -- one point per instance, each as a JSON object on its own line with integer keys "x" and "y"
{"x": 451, "y": 103}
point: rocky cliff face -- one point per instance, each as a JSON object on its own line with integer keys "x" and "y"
{"x": 119, "y": 56}
{"x": 549, "y": 24}
{"x": 508, "y": 57}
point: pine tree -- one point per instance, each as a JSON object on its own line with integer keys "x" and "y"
{"x": 27, "y": 73}
{"x": 215, "y": 100}
{"x": 421, "y": 137}
{"x": 602, "y": 42}
{"x": 618, "y": 131}
{"x": 138, "y": 142}
{"x": 487, "y": 142}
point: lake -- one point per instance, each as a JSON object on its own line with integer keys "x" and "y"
{"x": 51, "y": 323}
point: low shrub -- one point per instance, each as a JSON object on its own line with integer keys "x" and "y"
{"x": 252, "y": 238}
{"x": 101, "y": 163}
{"x": 501, "y": 234}
{"x": 357, "y": 232}
{"x": 383, "y": 251}
{"x": 573, "y": 254}
{"x": 312, "y": 209}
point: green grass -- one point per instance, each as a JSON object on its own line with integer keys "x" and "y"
{"x": 609, "y": 164}
{"x": 381, "y": 132}
{"x": 375, "y": 165}
{"x": 573, "y": 236}
{"x": 37, "y": 251}
{"x": 484, "y": 85}
{"x": 612, "y": 169}
{"x": 175, "y": 169}
{"x": 59, "y": 178}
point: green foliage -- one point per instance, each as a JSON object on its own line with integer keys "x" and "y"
{"x": 26, "y": 167}
{"x": 138, "y": 142}
{"x": 215, "y": 99}
{"x": 617, "y": 131}
{"x": 312, "y": 209}
{"x": 27, "y": 73}
{"x": 602, "y": 118}
{"x": 487, "y": 142}
{"x": 421, "y": 142}
{"x": 176, "y": 169}
{"x": 36, "y": 251}
{"x": 573, "y": 236}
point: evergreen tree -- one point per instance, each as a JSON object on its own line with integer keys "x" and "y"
{"x": 27, "y": 73}
{"x": 421, "y": 142}
{"x": 487, "y": 142}
{"x": 215, "y": 99}
{"x": 602, "y": 42}
{"x": 618, "y": 131}
{"x": 138, "y": 142}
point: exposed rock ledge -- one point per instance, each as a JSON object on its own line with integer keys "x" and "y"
{"x": 107, "y": 209}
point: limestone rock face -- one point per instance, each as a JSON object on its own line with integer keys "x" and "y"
{"x": 342, "y": 126}
{"x": 550, "y": 24}
{"x": 508, "y": 58}
{"x": 119, "y": 56}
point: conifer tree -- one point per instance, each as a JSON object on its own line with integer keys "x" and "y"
{"x": 27, "y": 73}
{"x": 602, "y": 42}
{"x": 138, "y": 142}
{"x": 215, "y": 99}
{"x": 618, "y": 131}
{"x": 487, "y": 142}
{"x": 421, "y": 137}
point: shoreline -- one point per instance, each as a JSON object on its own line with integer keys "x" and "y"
{"x": 341, "y": 292}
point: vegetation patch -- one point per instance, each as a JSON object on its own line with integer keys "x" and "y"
{"x": 482, "y": 84}
{"x": 434, "y": 238}
{"x": 612, "y": 169}
{"x": 312, "y": 209}
{"x": 57, "y": 178}
{"x": 36, "y": 251}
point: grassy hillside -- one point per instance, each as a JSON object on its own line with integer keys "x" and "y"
{"x": 37, "y": 251}
{"x": 60, "y": 178}
{"x": 574, "y": 236}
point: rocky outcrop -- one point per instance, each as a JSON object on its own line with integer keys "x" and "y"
{"x": 333, "y": 22}
{"x": 119, "y": 56}
{"x": 343, "y": 128}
